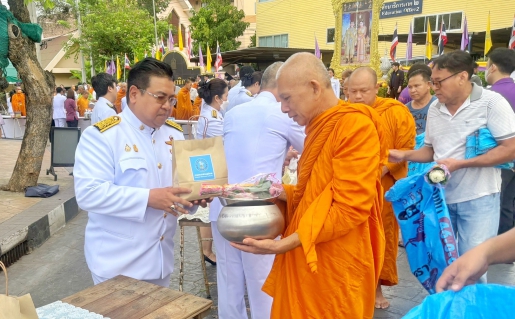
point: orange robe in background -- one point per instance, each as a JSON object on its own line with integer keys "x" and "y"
{"x": 196, "y": 105}
{"x": 82, "y": 105}
{"x": 336, "y": 210}
{"x": 400, "y": 133}
{"x": 184, "y": 109}
{"x": 18, "y": 102}
{"x": 118, "y": 102}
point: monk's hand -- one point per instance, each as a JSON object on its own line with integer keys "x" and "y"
{"x": 451, "y": 164}
{"x": 268, "y": 246}
{"x": 396, "y": 156}
{"x": 292, "y": 153}
{"x": 465, "y": 270}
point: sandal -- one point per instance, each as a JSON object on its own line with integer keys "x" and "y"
{"x": 206, "y": 258}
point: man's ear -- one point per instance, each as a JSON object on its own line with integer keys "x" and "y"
{"x": 316, "y": 87}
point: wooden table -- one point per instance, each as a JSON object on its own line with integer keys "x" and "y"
{"x": 127, "y": 298}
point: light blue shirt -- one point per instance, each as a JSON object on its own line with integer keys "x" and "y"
{"x": 241, "y": 96}
{"x": 114, "y": 172}
{"x": 257, "y": 136}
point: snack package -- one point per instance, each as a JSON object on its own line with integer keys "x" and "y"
{"x": 261, "y": 186}
{"x": 290, "y": 172}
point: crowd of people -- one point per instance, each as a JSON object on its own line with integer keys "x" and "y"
{"x": 341, "y": 239}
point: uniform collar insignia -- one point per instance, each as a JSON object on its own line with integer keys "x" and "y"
{"x": 214, "y": 114}
{"x": 174, "y": 125}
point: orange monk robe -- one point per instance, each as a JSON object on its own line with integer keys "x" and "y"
{"x": 400, "y": 134}
{"x": 336, "y": 211}
{"x": 196, "y": 105}
{"x": 184, "y": 109}
{"x": 194, "y": 85}
{"x": 118, "y": 101}
{"x": 82, "y": 105}
{"x": 18, "y": 101}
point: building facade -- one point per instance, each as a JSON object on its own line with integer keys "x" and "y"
{"x": 295, "y": 23}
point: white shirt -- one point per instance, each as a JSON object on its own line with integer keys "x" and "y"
{"x": 124, "y": 102}
{"x": 114, "y": 172}
{"x": 58, "y": 106}
{"x": 234, "y": 91}
{"x": 9, "y": 104}
{"x": 215, "y": 122}
{"x": 102, "y": 110}
{"x": 335, "y": 84}
{"x": 447, "y": 135}
{"x": 257, "y": 136}
{"x": 243, "y": 96}
{"x": 193, "y": 94}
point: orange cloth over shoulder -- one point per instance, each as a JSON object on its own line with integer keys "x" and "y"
{"x": 196, "y": 105}
{"x": 118, "y": 101}
{"x": 336, "y": 211}
{"x": 18, "y": 101}
{"x": 184, "y": 109}
{"x": 400, "y": 131}
{"x": 82, "y": 105}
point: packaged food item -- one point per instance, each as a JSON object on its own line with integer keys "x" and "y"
{"x": 261, "y": 186}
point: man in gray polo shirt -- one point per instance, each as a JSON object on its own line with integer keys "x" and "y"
{"x": 472, "y": 194}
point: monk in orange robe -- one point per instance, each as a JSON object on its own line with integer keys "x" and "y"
{"x": 83, "y": 103}
{"x": 184, "y": 108}
{"x": 331, "y": 253}
{"x": 197, "y": 105}
{"x": 121, "y": 93}
{"x": 400, "y": 134}
{"x": 19, "y": 101}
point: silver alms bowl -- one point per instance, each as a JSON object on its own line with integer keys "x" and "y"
{"x": 250, "y": 219}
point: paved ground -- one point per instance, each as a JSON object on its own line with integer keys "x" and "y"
{"x": 57, "y": 269}
{"x": 14, "y": 203}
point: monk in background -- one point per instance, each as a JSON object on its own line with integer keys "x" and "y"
{"x": 119, "y": 96}
{"x": 83, "y": 103}
{"x": 331, "y": 253}
{"x": 400, "y": 133}
{"x": 184, "y": 108}
{"x": 19, "y": 102}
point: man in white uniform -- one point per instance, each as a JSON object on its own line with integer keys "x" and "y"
{"x": 335, "y": 83}
{"x": 59, "y": 115}
{"x": 123, "y": 178}
{"x": 105, "y": 89}
{"x": 257, "y": 136}
{"x": 233, "y": 92}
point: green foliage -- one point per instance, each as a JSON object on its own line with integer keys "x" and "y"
{"x": 383, "y": 92}
{"x": 115, "y": 27}
{"x": 252, "y": 41}
{"x": 217, "y": 21}
{"x": 481, "y": 75}
{"x": 161, "y": 5}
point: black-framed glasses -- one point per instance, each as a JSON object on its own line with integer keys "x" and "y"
{"x": 162, "y": 99}
{"x": 438, "y": 84}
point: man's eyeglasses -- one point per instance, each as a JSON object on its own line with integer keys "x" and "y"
{"x": 162, "y": 99}
{"x": 438, "y": 84}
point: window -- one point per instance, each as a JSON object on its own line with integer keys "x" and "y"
{"x": 277, "y": 41}
{"x": 452, "y": 22}
{"x": 330, "y": 35}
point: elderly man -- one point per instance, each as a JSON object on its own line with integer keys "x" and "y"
{"x": 123, "y": 179}
{"x": 257, "y": 136}
{"x": 400, "y": 134}
{"x": 472, "y": 193}
{"x": 105, "y": 89}
{"x": 328, "y": 261}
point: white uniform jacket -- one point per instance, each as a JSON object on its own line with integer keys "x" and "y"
{"x": 114, "y": 172}
{"x": 58, "y": 107}
{"x": 242, "y": 96}
{"x": 102, "y": 110}
{"x": 215, "y": 122}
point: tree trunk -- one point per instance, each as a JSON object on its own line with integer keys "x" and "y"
{"x": 38, "y": 85}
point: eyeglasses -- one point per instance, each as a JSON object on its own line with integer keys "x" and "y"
{"x": 162, "y": 99}
{"x": 438, "y": 84}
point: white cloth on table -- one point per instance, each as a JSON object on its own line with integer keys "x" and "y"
{"x": 114, "y": 172}
{"x": 59, "y": 309}
{"x": 102, "y": 110}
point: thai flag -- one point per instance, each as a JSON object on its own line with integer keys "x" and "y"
{"x": 512, "y": 39}
{"x": 395, "y": 42}
{"x": 154, "y": 51}
{"x": 127, "y": 62}
{"x": 218, "y": 62}
{"x": 162, "y": 48}
{"x": 442, "y": 40}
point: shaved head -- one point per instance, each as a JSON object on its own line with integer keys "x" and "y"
{"x": 362, "y": 86}
{"x": 269, "y": 79}
{"x": 304, "y": 88}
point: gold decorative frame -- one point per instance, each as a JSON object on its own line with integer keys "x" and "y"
{"x": 374, "y": 51}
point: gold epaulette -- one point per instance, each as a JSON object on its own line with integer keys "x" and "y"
{"x": 249, "y": 94}
{"x": 106, "y": 124}
{"x": 214, "y": 114}
{"x": 174, "y": 125}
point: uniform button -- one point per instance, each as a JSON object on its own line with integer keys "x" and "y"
{"x": 161, "y": 238}
{"x": 153, "y": 141}
{"x": 159, "y": 165}
{"x": 164, "y": 215}
{"x": 141, "y": 127}
{"x": 171, "y": 152}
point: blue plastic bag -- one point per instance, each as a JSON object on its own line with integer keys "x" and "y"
{"x": 426, "y": 228}
{"x": 481, "y": 142}
{"x": 418, "y": 168}
{"x": 472, "y": 302}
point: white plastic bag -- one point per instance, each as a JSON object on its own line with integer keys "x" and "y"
{"x": 290, "y": 172}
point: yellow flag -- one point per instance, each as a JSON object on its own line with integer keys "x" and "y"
{"x": 488, "y": 37}
{"x": 105, "y": 66}
{"x": 136, "y": 60}
{"x": 181, "y": 46}
{"x": 429, "y": 42}
{"x": 118, "y": 69}
{"x": 208, "y": 64}
{"x": 159, "y": 55}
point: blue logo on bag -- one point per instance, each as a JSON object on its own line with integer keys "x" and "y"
{"x": 202, "y": 168}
